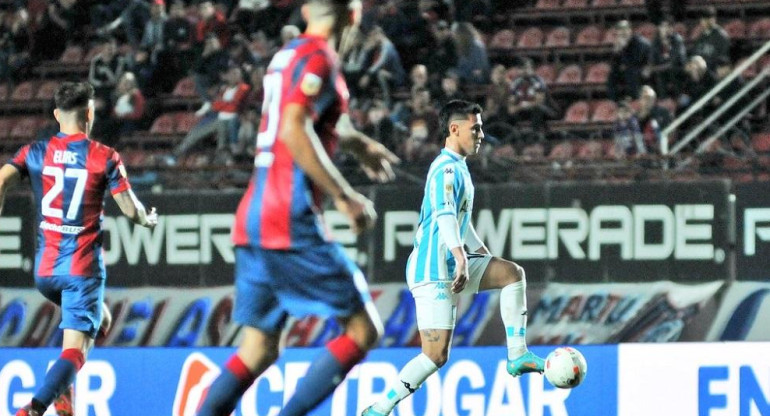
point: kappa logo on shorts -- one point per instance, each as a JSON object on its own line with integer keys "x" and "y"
{"x": 442, "y": 296}
{"x": 198, "y": 372}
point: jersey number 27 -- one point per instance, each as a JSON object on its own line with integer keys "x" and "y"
{"x": 58, "y": 174}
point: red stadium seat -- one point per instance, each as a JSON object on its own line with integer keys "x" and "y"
{"x": 570, "y": 74}
{"x": 47, "y": 90}
{"x": 577, "y": 113}
{"x": 760, "y": 29}
{"x": 646, "y": 30}
{"x": 736, "y": 29}
{"x": 546, "y": 72}
{"x": 164, "y": 124}
{"x": 531, "y": 38}
{"x": 73, "y": 55}
{"x": 604, "y": 111}
{"x": 503, "y": 39}
{"x": 695, "y": 33}
{"x": 6, "y": 125}
{"x": 609, "y": 37}
{"x": 598, "y": 73}
{"x": 592, "y": 149}
{"x": 558, "y": 38}
{"x": 24, "y": 91}
{"x": 589, "y": 36}
{"x": 548, "y": 4}
{"x": 575, "y": 4}
{"x": 562, "y": 151}
{"x": 681, "y": 29}
{"x": 185, "y": 88}
{"x": 25, "y": 128}
{"x": 605, "y": 3}
{"x": 185, "y": 122}
{"x": 760, "y": 142}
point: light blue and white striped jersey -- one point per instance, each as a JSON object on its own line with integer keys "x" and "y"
{"x": 448, "y": 191}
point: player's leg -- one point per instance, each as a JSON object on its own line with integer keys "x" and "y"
{"x": 361, "y": 332}
{"x": 81, "y": 304}
{"x": 510, "y": 278}
{"x": 257, "y": 351}
{"x": 257, "y": 309}
{"x": 435, "y": 320}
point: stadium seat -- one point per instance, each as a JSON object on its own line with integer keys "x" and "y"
{"x": 25, "y": 128}
{"x": 512, "y": 73}
{"x": 95, "y": 50}
{"x": 531, "y": 38}
{"x": 763, "y": 62}
{"x": 598, "y": 73}
{"x": 632, "y": 3}
{"x": 604, "y": 111}
{"x": 760, "y": 29}
{"x": 558, "y": 38}
{"x": 694, "y": 33}
{"x": 6, "y": 125}
{"x": 73, "y": 55}
{"x": 589, "y": 36}
{"x": 547, "y": 72}
{"x": 185, "y": 122}
{"x": 646, "y": 30}
{"x": 47, "y": 90}
{"x": 760, "y": 142}
{"x": 605, "y": 3}
{"x": 185, "y": 88}
{"x": 575, "y": 4}
{"x": 534, "y": 151}
{"x": 504, "y": 152}
{"x": 503, "y": 39}
{"x": 562, "y": 151}
{"x": 609, "y": 37}
{"x": 3, "y": 91}
{"x": 570, "y": 74}
{"x": 736, "y": 29}
{"x": 548, "y": 4}
{"x": 592, "y": 149}
{"x": 23, "y": 92}
{"x": 164, "y": 124}
{"x": 577, "y": 113}
{"x": 681, "y": 29}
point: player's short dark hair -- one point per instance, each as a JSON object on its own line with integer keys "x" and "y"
{"x": 453, "y": 110}
{"x": 73, "y": 96}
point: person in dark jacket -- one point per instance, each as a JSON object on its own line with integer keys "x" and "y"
{"x": 667, "y": 59}
{"x": 713, "y": 42}
{"x": 630, "y": 56}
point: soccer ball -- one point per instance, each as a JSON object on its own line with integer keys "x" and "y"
{"x": 565, "y": 368}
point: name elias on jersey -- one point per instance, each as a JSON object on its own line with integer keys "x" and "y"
{"x": 65, "y": 156}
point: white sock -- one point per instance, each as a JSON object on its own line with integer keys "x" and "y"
{"x": 410, "y": 379}
{"x": 513, "y": 310}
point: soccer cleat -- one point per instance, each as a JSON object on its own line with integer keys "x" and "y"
{"x": 27, "y": 411}
{"x": 369, "y": 411}
{"x": 527, "y": 363}
{"x": 64, "y": 403}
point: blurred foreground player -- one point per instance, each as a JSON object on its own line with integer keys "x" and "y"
{"x": 284, "y": 263}
{"x": 69, "y": 174}
{"x": 439, "y": 267}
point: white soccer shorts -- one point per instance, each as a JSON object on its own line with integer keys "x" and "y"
{"x": 436, "y": 305}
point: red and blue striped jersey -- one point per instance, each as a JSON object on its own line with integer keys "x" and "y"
{"x": 69, "y": 176}
{"x": 280, "y": 209}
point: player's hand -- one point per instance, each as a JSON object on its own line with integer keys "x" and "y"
{"x": 359, "y": 210}
{"x": 461, "y": 272}
{"x": 377, "y": 162}
{"x": 148, "y": 219}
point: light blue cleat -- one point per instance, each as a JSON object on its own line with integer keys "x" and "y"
{"x": 369, "y": 411}
{"x": 527, "y": 363}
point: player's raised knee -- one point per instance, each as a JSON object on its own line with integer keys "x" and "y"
{"x": 438, "y": 357}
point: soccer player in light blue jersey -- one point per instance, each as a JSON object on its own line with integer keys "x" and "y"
{"x": 440, "y": 268}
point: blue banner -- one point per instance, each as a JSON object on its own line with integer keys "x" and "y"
{"x": 171, "y": 381}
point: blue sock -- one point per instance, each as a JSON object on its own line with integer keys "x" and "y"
{"x": 58, "y": 378}
{"x": 227, "y": 389}
{"x": 324, "y": 375}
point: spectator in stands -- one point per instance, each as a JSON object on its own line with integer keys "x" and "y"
{"x": 14, "y": 46}
{"x": 418, "y": 76}
{"x": 212, "y": 21}
{"x": 500, "y": 87}
{"x": 153, "y": 37}
{"x": 698, "y": 82}
{"x": 724, "y": 68}
{"x": 626, "y": 133}
{"x": 420, "y": 108}
{"x": 54, "y": 30}
{"x": 383, "y": 64}
{"x": 418, "y": 145}
{"x": 529, "y": 100}
{"x": 655, "y": 10}
{"x": 177, "y": 53}
{"x": 630, "y": 55}
{"x": 244, "y": 16}
{"x": 132, "y": 19}
{"x": 450, "y": 89}
{"x": 240, "y": 52}
{"x": 213, "y": 61}
{"x": 713, "y": 42}
{"x": 652, "y": 119}
{"x": 380, "y": 127}
{"x": 667, "y": 60}
{"x": 472, "y": 60}
{"x": 106, "y": 69}
{"x": 444, "y": 56}
{"x": 129, "y": 106}
{"x": 222, "y": 120}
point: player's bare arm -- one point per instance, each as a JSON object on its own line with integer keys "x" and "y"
{"x": 297, "y": 134}
{"x": 376, "y": 160}
{"x": 9, "y": 177}
{"x": 132, "y": 208}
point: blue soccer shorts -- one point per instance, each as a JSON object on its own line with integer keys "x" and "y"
{"x": 270, "y": 285}
{"x": 80, "y": 299}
